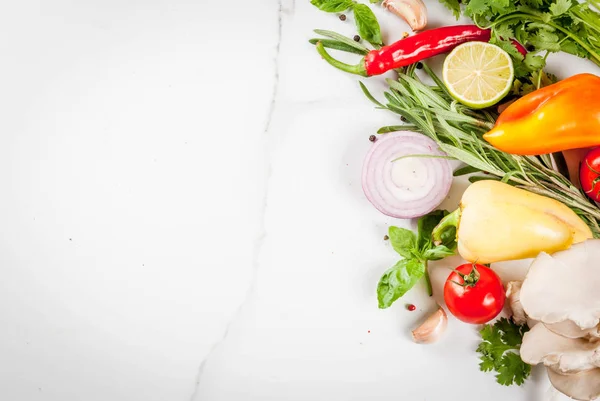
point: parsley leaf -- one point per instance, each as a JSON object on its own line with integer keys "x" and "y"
{"x": 499, "y": 352}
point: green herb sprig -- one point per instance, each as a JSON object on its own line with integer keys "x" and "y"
{"x": 416, "y": 250}
{"x": 542, "y": 25}
{"x": 366, "y": 22}
{"x": 499, "y": 352}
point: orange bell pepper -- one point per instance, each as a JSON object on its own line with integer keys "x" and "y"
{"x": 565, "y": 115}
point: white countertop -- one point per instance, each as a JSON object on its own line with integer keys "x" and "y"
{"x": 183, "y": 218}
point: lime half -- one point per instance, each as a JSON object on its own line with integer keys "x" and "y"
{"x": 478, "y": 74}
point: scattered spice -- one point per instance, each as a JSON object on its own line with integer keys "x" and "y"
{"x": 385, "y": 238}
{"x": 342, "y": 17}
{"x": 403, "y": 119}
{"x": 356, "y": 38}
{"x": 372, "y": 138}
{"x": 411, "y": 307}
{"x": 404, "y": 35}
{"x": 419, "y": 66}
{"x": 369, "y": 331}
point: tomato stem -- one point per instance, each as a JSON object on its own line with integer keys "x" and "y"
{"x": 469, "y": 280}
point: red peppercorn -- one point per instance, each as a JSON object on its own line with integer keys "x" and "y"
{"x": 372, "y": 138}
{"x": 411, "y": 307}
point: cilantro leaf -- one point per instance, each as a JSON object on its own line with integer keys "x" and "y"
{"x": 478, "y": 7}
{"x": 533, "y": 62}
{"x": 560, "y": 7}
{"x": 397, "y": 280}
{"x": 499, "y": 352}
{"x": 505, "y": 30}
{"x": 452, "y": 5}
{"x": 512, "y": 370}
{"x": 545, "y": 40}
{"x": 332, "y": 6}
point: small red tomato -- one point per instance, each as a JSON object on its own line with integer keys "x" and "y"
{"x": 589, "y": 174}
{"x": 474, "y": 293}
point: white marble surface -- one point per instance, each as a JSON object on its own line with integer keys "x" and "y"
{"x": 183, "y": 218}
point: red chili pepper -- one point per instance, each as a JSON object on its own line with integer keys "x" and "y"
{"x": 412, "y": 49}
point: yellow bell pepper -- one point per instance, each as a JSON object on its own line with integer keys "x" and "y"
{"x": 496, "y": 222}
{"x": 565, "y": 115}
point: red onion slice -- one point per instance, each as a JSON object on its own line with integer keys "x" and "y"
{"x": 409, "y": 187}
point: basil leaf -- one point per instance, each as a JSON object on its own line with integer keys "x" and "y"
{"x": 332, "y": 6}
{"x": 425, "y": 227}
{"x": 403, "y": 241}
{"x": 367, "y": 24}
{"x": 437, "y": 253}
{"x": 397, "y": 280}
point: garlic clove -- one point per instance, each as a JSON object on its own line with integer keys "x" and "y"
{"x": 431, "y": 329}
{"x": 413, "y": 12}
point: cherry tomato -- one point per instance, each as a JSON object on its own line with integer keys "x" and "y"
{"x": 589, "y": 174}
{"x": 474, "y": 293}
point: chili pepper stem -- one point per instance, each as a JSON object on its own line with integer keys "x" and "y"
{"x": 451, "y": 220}
{"x": 358, "y": 69}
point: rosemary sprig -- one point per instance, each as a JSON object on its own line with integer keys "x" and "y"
{"x": 458, "y": 130}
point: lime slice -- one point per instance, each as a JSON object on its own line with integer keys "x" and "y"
{"x": 478, "y": 74}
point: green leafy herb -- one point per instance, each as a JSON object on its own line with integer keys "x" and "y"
{"x": 396, "y": 281}
{"x": 499, "y": 352}
{"x": 332, "y": 6}
{"x": 403, "y": 241}
{"x": 543, "y": 25}
{"x": 416, "y": 251}
{"x": 452, "y": 5}
{"x": 367, "y": 24}
{"x": 560, "y": 7}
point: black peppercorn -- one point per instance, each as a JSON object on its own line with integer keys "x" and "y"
{"x": 385, "y": 238}
{"x": 356, "y": 38}
{"x": 403, "y": 119}
{"x": 419, "y": 65}
{"x": 343, "y": 17}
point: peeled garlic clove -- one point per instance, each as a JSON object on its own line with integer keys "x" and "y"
{"x": 413, "y": 12}
{"x": 431, "y": 329}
